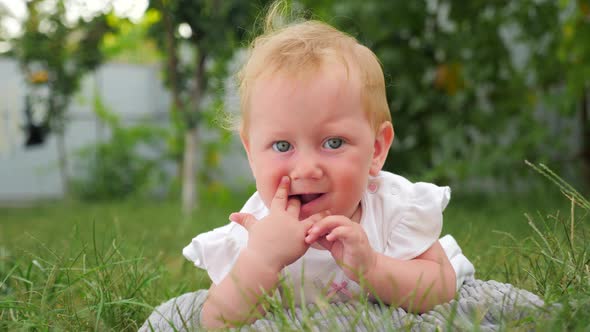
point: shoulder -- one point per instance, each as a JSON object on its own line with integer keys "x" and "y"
{"x": 217, "y": 250}
{"x": 392, "y": 187}
{"x": 255, "y": 206}
{"x": 410, "y": 213}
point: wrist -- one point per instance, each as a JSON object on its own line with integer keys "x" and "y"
{"x": 371, "y": 272}
{"x": 259, "y": 262}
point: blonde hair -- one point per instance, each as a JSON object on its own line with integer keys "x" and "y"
{"x": 301, "y": 49}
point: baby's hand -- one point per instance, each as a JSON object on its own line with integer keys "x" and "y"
{"x": 279, "y": 238}
{"x": 347, "y": 242}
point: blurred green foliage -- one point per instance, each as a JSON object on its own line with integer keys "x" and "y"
{"x": 475, "y": 88}
{"x": 56, "y": 54}
{"x": 472, "y": 85}
{"x": 131, "y": 162}
{"x": 130, "y": 42}
{"x": 197, "y": 39}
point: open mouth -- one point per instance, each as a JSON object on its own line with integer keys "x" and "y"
{"x": 306, "y": 198}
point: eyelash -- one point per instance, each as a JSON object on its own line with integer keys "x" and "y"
{"x": 341, "y": 141}
{"x": 275, "y": 145}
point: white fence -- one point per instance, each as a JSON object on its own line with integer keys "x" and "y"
{"x": 134, "y": 92}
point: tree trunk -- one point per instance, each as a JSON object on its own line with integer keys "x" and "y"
{"x": 173, "y": 76}
{"x": 63, "y": 162}
{"x": 186, "y": 165}
{"x": 189, "y": 189}
{"x": 191, "y": 141}
{"x": 585, "y": 149}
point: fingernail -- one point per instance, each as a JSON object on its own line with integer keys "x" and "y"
{"x": 232, "y": 217}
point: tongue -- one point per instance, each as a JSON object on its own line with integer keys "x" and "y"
{"x": 306, "y": 198}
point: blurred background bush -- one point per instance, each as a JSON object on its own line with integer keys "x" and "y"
{"x": 111, "y": 99}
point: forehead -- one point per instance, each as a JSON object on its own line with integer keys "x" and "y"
{"x": 324, "y": 100}
{"x": 329, "y": 83}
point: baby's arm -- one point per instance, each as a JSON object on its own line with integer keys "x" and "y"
{"x": 236, "y": 299}
{"x": 273, "y": 242}
{"x": 417, "y": 284}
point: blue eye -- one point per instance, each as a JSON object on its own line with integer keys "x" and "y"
{"x": 281, "y": 146}
{"x": 333, "y": 143}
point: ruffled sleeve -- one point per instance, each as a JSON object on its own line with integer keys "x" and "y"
{"x": 419, "y": 218}
{"x": 217, "y": 251}
{"x": 464, "y": 269}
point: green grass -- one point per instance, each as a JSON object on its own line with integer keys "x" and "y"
{"x": 73, "y": 266}
{"x": 103, "y": 266}
{"x": 490, "y": 228}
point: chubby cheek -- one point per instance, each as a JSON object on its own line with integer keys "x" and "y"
{"x": 267, "y": 182}
{"x": 265, "y": 191}
{"x": 352, "y": 180}
{"x": 351, "y": 189}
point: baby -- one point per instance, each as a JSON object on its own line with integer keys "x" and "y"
{"x": 316, "y": 127}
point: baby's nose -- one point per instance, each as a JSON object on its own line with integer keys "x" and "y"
{"x": 306, "y": 168}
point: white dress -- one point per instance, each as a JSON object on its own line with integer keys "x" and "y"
{"x": 401, "y": 219}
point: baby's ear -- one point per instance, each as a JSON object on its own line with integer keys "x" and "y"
{"x": 383, "y": 141}
{"x": 246, "y": 144}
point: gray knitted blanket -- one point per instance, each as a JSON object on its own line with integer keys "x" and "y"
{"x": 480, "y": 305}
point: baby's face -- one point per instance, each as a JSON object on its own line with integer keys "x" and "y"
{"x": 314, "y": 131}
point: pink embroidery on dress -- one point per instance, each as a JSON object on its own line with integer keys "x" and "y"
{"x": 339, "y": 288}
